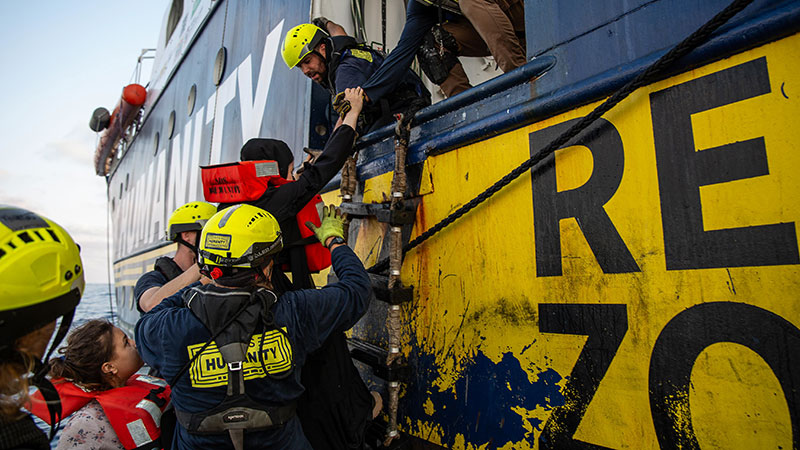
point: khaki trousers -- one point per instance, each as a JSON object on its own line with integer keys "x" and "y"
{"x": 491, "y": 27}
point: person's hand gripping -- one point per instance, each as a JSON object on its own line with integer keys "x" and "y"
{"x": 350, "y": 99}
{"x": 332, "y": 225}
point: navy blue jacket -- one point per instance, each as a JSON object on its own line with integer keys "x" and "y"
{"x": 167, "y": 334}
{"x": 356, "y": 65}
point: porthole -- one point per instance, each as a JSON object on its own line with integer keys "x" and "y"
{"x": 155, "y": 144}
{"x": 219, "y": 66}
{"x": 171, "y": 124}
{"x": 190, "y": 101}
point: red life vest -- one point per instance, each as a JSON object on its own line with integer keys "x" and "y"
{"x": 134, "y": 413}
{"x": 247, "y": 181}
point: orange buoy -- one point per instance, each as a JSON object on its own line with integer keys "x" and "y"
{"x": 134, "y": 94}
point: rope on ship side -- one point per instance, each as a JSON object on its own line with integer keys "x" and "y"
{"x": 680, "y": 50}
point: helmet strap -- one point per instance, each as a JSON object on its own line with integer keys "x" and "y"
{"x": 323, "y": 58}
{"x": 63, "y": 328}
{"x": 226, "y": 276}
{"x": 50, "y": 395}
{"x": 39, "y": 380}
{"x": 236, "y": 277}
{"x": 191, "y": 247}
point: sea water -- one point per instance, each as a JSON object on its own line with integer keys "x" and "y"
{"x": 98, "y": 302}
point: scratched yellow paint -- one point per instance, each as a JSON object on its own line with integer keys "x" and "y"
{"x": 377, "y": 189}
{"x": 478, "y": 290}
{"x": 715, "y": 378}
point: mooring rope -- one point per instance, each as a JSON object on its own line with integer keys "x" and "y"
{"x": 680, "y": 50}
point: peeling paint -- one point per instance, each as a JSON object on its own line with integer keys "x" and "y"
{"x": 486, "y": 405}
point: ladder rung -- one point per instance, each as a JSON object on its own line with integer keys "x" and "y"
{"x": 395, "y": 296}
{"x": 380, "y": 211}
{"x": 375, "y": 357}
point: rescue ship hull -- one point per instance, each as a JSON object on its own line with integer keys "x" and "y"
{"x": 638, "y": 289}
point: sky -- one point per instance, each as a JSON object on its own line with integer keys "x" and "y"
{"x": 61, "y": 61}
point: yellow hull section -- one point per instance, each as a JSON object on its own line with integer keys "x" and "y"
{"x": 624, "y": 340}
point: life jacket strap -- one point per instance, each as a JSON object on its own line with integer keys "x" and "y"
{"x": 235, "y": 378}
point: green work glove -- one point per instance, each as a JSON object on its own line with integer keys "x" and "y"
{"x": 332, "y": 224}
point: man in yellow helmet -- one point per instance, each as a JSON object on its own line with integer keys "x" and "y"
{"x": 233, "y": 350}
{"x": 340, "y": 62}
{"x": 172, "y": 274}
{"x": 41, "y": 279}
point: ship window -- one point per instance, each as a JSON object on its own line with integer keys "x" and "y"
{"x": 175, "y": 13}
{"x": 120, "y": 190}
{"x": 190, "y": 101}
{"x": 171, "y": 125}
{"x": 219, "y": 65}
{"x": 127, "y": 179}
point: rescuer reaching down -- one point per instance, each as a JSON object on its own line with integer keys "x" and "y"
{"x": 233, "y": 350}
{"x": 170, "y": 275}
{"x": 341, "y": 62}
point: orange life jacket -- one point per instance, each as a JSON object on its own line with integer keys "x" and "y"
{"x": 247, "y": 181}
{"x": 134, "y": 410}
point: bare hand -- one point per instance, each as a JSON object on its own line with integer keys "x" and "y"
{"x": 356, "y": 98}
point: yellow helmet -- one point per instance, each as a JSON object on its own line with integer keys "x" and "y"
{"x": 41, "y": 273}
{"x": 300, "y": 41}
{"x": 241, "y": 236}
{"x": 189, "y": 217}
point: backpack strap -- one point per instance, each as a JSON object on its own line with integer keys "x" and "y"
{"x": 167, "y": 267}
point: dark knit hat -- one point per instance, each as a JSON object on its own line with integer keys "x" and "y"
{"x": 259, "y": 149}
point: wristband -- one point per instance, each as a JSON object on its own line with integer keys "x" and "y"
{"x": 336, "y": 240}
